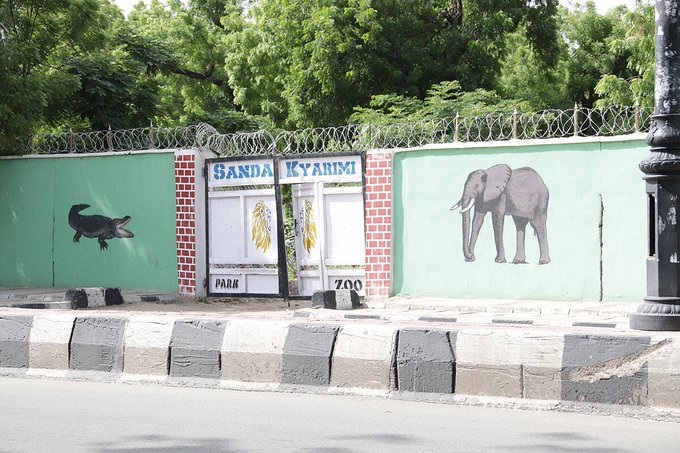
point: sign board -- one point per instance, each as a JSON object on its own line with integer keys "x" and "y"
{"x": 241, "y": 173}
{"x": 320, "y": 169}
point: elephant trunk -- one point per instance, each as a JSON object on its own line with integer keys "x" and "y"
{"x": 466, "y": 235}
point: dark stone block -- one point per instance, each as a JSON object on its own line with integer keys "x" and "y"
{"x": 195, "y": 348}
{"x": 307, "y": 354}
{"x": 425, "y": 361}
{"x": 336, "y": 299}
{"x": 15, "y": 332}
{"x": 97, "y": 344}
{"x": 593, "y": 369}
{"x": 77, "y": 297}
{"x": 112, "y": 296}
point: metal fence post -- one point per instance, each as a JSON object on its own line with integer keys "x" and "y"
{"x": 151, "y": 137}
{"x": 109, "y": 139}
{"x": 514, "y": 124}
{"x": 636, "y": 114}
{"x": 576, "y": 129}
{"x": 456, "y": 127}
{"x": 71, "y": 143}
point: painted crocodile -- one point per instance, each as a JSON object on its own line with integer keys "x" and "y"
{"x": 97, "y": 226}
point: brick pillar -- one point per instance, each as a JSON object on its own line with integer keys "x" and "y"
{"x": 185, "y": 190}
{"x": 378, "y": 223}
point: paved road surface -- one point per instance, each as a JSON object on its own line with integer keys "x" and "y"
{"x": 59, "y": 416}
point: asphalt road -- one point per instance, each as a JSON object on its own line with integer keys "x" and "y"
{"x": 61, "y": 416}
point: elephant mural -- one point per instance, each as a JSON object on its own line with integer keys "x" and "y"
{"x": 520, "y": 193}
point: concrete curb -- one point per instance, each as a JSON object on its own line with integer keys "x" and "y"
{"x": 76, "y": 298}
{"x": 621, "y": 368}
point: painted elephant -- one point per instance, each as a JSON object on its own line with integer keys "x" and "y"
{"x": 520, "y": 193}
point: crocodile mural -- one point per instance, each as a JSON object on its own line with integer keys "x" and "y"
{"x": 97, "y": 226}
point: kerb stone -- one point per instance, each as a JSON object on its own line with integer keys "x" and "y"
{"x": 425, "y": 361}
{"x": 147, "y": 345}
{"x": 605, "y": 369}
{"x": 50, "y": 337}
{"x": 307, "y": 354}
{"x": 15, "y": 332}
{"x": 509, "y": 364}
{"x": 195, "y": 348}
{"x": 340, "y": 299}
{"x": 97, "y": 344}
{"x": 252, "y": 350}
{"x": 362, "y": 357}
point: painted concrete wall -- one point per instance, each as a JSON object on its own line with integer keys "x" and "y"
{"x": 37, "y": 243}
{"x": 591, "y": 183}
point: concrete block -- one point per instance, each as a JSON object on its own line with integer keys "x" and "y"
{"x": 50, "y": 338}
{"x": 362, "y": 356}
{"x": 195, "y": 348}
{"x": 425, "y": 361}
{"x": 252, "y": 350}
{"x": 489, "y": 380}
{"x": 336, "y": 299}
{"x": 542, "y": 383}
{"x": 605, "y": 369}
{"x": 97, "y": 344}
{"x": 486, "y": 347}
{"x": 147, "y": 345}
{"x": 15, "y": 332}
{"x": 664, "y": 372}
{"x": 307, "y": 354}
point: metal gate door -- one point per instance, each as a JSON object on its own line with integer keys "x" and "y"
{"x": 328, "y": 212}
{"x": 243, "y": 228}
{"x": 329, "y": 237}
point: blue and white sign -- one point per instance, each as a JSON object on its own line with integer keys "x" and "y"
{"x": 241, "y": 173}
{"x": 317, "y": 169}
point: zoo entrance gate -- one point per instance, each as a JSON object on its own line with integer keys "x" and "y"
{"x": 285, "y": 226}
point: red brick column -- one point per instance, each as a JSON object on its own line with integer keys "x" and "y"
{"x": 185, "y": 189}
{"x": 378, "y": 223}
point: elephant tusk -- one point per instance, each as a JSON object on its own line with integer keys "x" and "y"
{"x": 467, "y": 208}
{"x": 455, "y": 206}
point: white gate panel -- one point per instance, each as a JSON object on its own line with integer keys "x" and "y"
{"x": 329, "y": 237}
{"x": 242, "y": 227}
{"x": 226, "y": 228}
{"x": 344, "y": 220}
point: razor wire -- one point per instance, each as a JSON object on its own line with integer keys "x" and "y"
{"x": 576, "y": 122}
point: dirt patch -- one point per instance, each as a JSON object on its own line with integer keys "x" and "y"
{"x": 215, "y": 305}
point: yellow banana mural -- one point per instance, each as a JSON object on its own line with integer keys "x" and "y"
{"x": 261, "y": 230}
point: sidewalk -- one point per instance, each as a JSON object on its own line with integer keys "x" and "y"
{"x": 559, "y": 352}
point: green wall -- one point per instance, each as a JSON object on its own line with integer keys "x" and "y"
{"x": 590, "y": 184}
{"x": 36, "y": 241}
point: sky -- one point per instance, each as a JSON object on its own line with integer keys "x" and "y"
{"x": 602, "y": 5}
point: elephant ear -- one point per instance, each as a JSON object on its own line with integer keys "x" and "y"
{"x": 496, "y": 179}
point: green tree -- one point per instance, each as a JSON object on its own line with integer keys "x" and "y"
{"x": 635, "y": 42}
{"x": 36, "y": 36}
{"x": 309, "y": 62}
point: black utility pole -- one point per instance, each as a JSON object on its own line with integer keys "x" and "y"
{"x": 661, "y": 309}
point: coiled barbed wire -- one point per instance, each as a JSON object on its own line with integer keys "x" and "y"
{"x": 607, "y": 121}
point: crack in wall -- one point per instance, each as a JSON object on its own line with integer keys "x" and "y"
{"x": 624, "y": 366}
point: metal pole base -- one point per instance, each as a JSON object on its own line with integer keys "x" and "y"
{"x": 656, "y": 316}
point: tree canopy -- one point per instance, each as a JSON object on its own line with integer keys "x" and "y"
{"x": 245, "y": 65}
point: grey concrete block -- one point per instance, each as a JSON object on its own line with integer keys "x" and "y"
{"x": 336, "y": 299}
{"x": 307, "y": 354}
{"x": 195, "y": 348}
{"x": 488, "y": 380}
{"x": 425, "y": 361}
{"x": 605, "y": 369}
{"x": 15, "y": 332}
{"x": 542, "y": 383}
{"x": 97, "y": 344}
